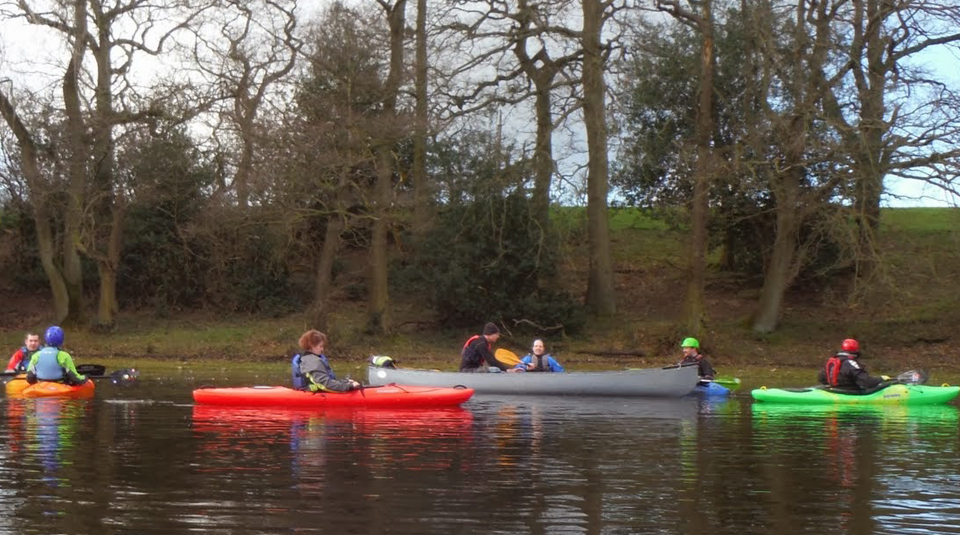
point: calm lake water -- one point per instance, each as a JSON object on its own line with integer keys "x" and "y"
{"x": 145, "y": 459}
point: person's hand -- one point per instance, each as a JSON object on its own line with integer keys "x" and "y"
{"x": 355, "y": 385}
{"x": 885, "y": 377}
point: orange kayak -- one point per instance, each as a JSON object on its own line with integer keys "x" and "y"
{"x": 17, "y": 384}
{"x": 19, "y": 387}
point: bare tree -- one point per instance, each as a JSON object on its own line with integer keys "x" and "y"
{"x": 95, "y": 105}
{"x": 885, "y": 129}
{"x": 62, "y": 269}
{"x": 254, "y": 47}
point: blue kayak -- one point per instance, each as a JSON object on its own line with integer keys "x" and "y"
{"x": 711, "y": 388}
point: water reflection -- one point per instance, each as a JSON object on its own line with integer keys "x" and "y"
{"x": 39, "y": 449}
{"x": 867, "y": 462}
{"x": 149, "y": 464}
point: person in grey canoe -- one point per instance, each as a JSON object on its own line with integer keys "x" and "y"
{"x": 691, "y": 355}
{"x": 539, "y": 360}
{"x": 479, "y": 349}
{"x": 314, "y": 369}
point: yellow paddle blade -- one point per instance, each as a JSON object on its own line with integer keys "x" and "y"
{"x": 507, "y": 357}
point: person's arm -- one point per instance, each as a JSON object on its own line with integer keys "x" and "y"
{"x": 706, "y": 370}
{"x": 66, "y": 362}
{"x": 484, "y": 352}
{"x": 524, "y": 362}
{"x": 822, "y": 377}
{"x": 32, "y": 368}
{"x": 865, "y": 381}
{"x": 319, "y": 374}
{"x": 15, "y": 360}
{"x": 554, "y": 365}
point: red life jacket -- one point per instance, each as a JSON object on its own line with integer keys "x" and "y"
{"x": 471, "y": 339}
{"x": 832, "y": 369}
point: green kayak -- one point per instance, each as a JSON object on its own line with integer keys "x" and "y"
{"x": 893, "y": 394}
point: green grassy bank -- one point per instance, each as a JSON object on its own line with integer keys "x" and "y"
{"x": 905, "y": 319}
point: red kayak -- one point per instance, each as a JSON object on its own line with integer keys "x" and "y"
{"x": 389, "y": 396}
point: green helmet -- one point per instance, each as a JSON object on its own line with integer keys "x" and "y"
{"x": 690, "y": 342}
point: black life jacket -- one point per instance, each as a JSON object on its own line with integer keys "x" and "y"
{"x": 541, "y": 363}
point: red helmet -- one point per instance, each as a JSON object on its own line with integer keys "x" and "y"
{"x": 850, "y": 346}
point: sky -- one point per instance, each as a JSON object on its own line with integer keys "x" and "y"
{"x": 32, "y": 57}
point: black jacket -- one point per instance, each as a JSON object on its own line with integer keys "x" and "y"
{"x": 704, "y": 369}
{"x": 475, "y": 352}
{"x": 843, "y": 370}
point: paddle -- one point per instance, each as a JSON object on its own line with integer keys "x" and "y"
{"x": 507, "y": 357}
{"x": 91, "y": 369}
{"x": 911, "y": 377}
{"x": 124, "y": 377}
{"x": 727, "y": 381}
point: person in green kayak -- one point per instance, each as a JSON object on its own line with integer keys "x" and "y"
{"x": 692, "y": 355}
{"x": 843, "y": 370}
{"x": 52, "y": 363}
{"x": 314, "y": 368}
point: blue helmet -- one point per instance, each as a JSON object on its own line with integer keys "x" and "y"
{"x": 54, "y": 336}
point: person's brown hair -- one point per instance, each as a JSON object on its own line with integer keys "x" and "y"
{"x": 312, "y": 338}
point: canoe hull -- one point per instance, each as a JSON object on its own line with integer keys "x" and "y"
{"x": 656, "y": 382}
{"x": 394, "y": 396}
{"x": 892, "y": 395}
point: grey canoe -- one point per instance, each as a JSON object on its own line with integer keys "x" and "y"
{"x": 656, "y": 382}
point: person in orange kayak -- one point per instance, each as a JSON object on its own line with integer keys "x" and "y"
{"x": 314, "y": 369}
{"x": 845, "y": 371}
{"x": 479, "y": 349}
{"x": 53, "y": 364}
{"x": 19, "y": 360}
{"x": 692, "y": 355}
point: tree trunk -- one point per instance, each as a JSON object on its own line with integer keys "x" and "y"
{"x": 543, "y": 156}
{"x": 422, "y": 192}
{"x": 601, "y": 298}
{"x": 869, "y": 151}
{"x": 106, "y": 237}
{"x": 697, "y": 257}
{"x": 324, "y": 278}
{"x": 778, "y": 277}
{"x": 379, "y": 320}
{"x": 45, "y": 242}
{"x": 379, "y": 299}
{"x": 75, "y": 127}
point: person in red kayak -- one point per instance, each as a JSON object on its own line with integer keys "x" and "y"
{"x": 479, "y": 349}
{"x": 19, "y": 360}
{"x": 315, "y": 369}
{"x": 53, "y": 364}
{"x": 843, "y": 370}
